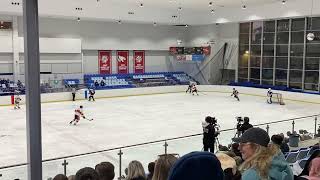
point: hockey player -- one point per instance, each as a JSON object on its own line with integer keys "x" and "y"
{"x": 235, "y": 94}
{"x": 194, "y": 90}
{"x": 189, "y": 87}
{"x": 17, "y": 101}
{"x": 91, "y": 94}
{"x": 77, "y": 114}
{"x": 269, "y": 95}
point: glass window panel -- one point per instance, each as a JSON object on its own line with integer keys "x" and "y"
{"x": 296, "y": 50}
{"x": 282, "y": 63}
{"x": 255, "y": 50}
{"x": 295, "y": 85}
{"x": 312, "y": 87}
{"x": 316, "y": 37}
{"x": 244, "y": 39}
{"x": 312, "y": 64}
{"x": 281, "y": 83}
{"x": 268, "y": 50}
{"x": 281, "y": 75}
{"x": 313, "y": 50}
{"x": 255, "y": 81}
{"x": 297, "y": 37}
{"x": 244, "y": 49}
{"x": 267, "y": 62}
{"x": 296, "y": 63}
{"x": 295, "y": 76}
{"x": 269, "y": 26}
{"x": 243, "y": 61}
{"x": 256, "y": 38}
{"x": 297, "y": 24}
{"x": 315, "y": 23}
{"x": 242, "y": 80}
{"x": 282, "y": 50}
{"x": 282, "y": 38}
{"x": 312, "y": 77}
{"x": 283, "y": 25}
{"x": 256, "y": 32}
{"x": 243, "y": 72}
{"x": 244, "y": 27}
{"x": 268, "y": 38}
{"x": 255, "y": 73}
{"x": 265, "y": 82}
{"x": 255, "y": 61}
{"x": 267, "y": 74}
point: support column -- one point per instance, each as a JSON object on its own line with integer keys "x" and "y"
{"x": 15, "y": 47}
{"x": 32, "y": 79}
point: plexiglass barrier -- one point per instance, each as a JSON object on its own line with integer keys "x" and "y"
{"x": 148, "y": 152}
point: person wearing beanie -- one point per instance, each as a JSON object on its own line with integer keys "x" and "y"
{"x": 197, "y": 166}
{"x": 279, "y": 140}
{"x": 260, "y": 160}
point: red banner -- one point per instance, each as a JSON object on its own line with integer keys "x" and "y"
{"x": 104, "y": 58}
{"x": 138, "y": 61}
{"x": 123, "y": 62}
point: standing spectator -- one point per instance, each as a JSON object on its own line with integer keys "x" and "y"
{"x": 209, "y": 133}
{"x": 86, "y": 174}
{"x": 197, "y": 166}
{"x": 260, "y": 162}
{"x": 151, "y": 170}
{"x": 105, "y": 171}
{"x": 136, "y": 171}
{"x": 163, "y": 166}
{"x": 73, "y": 92}
{"x": 60, "y": 177}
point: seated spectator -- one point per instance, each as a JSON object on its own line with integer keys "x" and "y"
{"x": 163, "y": 166}
{"x": 60, "y": 177}
{"x": 197, "y": 166}
{"x": 229, "y": 167}
{"x": 151, "y": 170}
{"x": 278, "y": 140}
{"x": 314, "y": 171}
{"x": 102, "y": 83}
{"x": 87, "y": 173}
{"x": 105, "y": 171}
{"x": 306, "y": 169}
{"x": 260, "y": 162}
{"x": 136, "y": 171}
{"x": 96, "y": 83}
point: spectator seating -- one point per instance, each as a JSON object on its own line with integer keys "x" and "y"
{"x": 300, "y": 154}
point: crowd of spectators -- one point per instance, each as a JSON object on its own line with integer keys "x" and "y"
{"x": 7, "y": 86}
{"x": 253, "y": 156}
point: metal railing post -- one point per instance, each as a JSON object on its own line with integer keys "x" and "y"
{"x": 120, "y": 163}
{"x": 315, "y": 126}
{"x": 64, "y": 164}
{"x": 165, "y": 147}
{"x": 268, "y": 128}
{"x": 293, "y": 123}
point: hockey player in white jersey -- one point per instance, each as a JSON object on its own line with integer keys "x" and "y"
{"x": 77, "y": 114}
{"x": 17, "y": 101}
{"x": 194, "y": 90}
{"x": 269, "y": 95}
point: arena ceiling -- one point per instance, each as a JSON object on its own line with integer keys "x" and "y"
{"x": 192, "y": 12}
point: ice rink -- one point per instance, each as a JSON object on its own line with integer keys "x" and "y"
{"x": 136, "y": 119}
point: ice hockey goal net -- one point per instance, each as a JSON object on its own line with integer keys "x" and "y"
{"x": 277, "y": 98}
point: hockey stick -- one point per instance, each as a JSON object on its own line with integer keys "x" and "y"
{"x": 88, "y": 119}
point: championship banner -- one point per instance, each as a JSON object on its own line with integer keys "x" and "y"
{"x": 123, "y": 62}
{"x": 104, "y": 58}
{"x": 138, "y": 61}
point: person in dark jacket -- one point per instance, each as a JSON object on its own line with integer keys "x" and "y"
{"x": 245, "y": 126}
{"x": 105, "y": 171}
{"x": 87, "y": 173}
{"x": 209, "y": 133}
{"x": 278, "y": 139}
{"x": 151, "y": 170}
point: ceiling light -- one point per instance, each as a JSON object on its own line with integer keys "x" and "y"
{"x": 119, "y": 22}
{"x": 179, "y": 8}
{"x": 283, "y": 1}
{"x": 244, "y": 6}
{"x": 78, "y": 19}
{"x": 210, "y": 3}
{"x": 141, "y": 4}
{"x": 212, "y": 11}
{"x": 154, "y": 24}
{"x": 130, "y": 12}
{"x": 186, "y": 25}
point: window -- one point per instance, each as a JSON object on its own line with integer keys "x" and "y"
{"x": 268, "y": 38}
{"x": 312, "y": 77}
{"x": 313, "y": 50}
{"x": 281, "y": 75}
{"x": 267, "y": 62}
{"x": 243, "y": 61}
{"x": 297, "y": 37}
{"x": 269, "y": 26}
{"x": 283, "y": 25}
{"x": 296, "y": 63}
{"x": 255, "y": 50}
{"x": 282, "y": 50}
{"x": 244, "y": 27}
{"x": 315, "y": 23}
{"x": 312, "y": 63}
{"x": 243, "y": 73}
{"x": 282, "y": 63}
{"x": 282, "y": 38}
{"x": 295, "y": 76}
{"x": 296, "y": 50}
{"x": 268, "y": 50}
{"x": 297, "y": 24}
{"x": 267, "y": 74}
{"x": 255, "y": 73}
{"x": 255, "y": 61}
{"x": 244, "y": 39}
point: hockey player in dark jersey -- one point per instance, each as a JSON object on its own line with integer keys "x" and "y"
{"x": 235, "y": 94}
{"x": 189, "y": 87}
{"x": 269, "y": 95}
{"x": 91, "y": 94}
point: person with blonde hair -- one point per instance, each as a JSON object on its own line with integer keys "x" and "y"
{"x": 136, "y": 171}
{"x": 261, "y": 161}
{"x": 163, "y": 166}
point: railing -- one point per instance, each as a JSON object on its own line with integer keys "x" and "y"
{"x": 145, "y": 152}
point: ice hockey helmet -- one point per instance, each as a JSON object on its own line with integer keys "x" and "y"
{"x": 269, "y": 89}
{"x": 81, "y": 106}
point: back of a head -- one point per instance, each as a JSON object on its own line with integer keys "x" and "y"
{"x": 197, "y": 166}
{"x": 163, "y": 166}
{"x": 151, "y": 166}
{"x": 277, "y": 139}
{"x": 87, "y": 173}
{"x": 60, "y": 177}
{"x": 105, "y": 171}
{"x": 135, "y": 170}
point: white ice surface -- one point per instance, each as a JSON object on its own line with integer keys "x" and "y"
{"x": 131, "y": 120}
